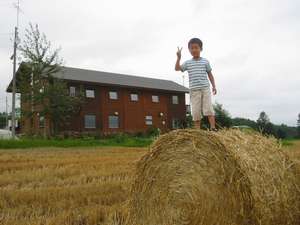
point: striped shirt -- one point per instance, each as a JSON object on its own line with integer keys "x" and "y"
{"x": 197, "y": 70}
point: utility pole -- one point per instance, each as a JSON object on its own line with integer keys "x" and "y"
{"x": 13, "y": 110}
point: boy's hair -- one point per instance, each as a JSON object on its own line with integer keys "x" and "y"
{"x": 195, "y": 41}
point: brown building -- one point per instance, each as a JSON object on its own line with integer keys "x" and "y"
{"x": 118, "y": 103}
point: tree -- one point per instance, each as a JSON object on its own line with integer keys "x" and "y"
{"x": 262, "y": 121}
{"x": 223, "y": 118}
{"x": 264, "y": 124}
{"x": 270, "y": 129}
{"x": 281, "y": 133}
{"x": 44, "y": 94}
{"x": 188, "y": 121}
{"x": 238, "y": 121}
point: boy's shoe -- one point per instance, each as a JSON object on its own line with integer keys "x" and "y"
{"x": 213, "y": 129}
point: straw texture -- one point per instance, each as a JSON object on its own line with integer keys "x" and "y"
{"x": 230, "y": 177}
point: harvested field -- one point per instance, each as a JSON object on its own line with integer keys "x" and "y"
{"x": 65, "y": 187}
{"x": 80, "y": 186}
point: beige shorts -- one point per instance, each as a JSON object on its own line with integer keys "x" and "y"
{"x": 201, "y": 104}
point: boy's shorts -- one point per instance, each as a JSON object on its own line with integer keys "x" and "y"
{"x": 201, "y": 103}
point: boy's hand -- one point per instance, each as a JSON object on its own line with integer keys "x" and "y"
{"x": 214, "y": 90}
{"x": 179, "y": 52}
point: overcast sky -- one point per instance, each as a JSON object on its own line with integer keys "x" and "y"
{"x": 252, "y": 45}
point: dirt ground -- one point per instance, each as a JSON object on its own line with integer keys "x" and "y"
{"x": 82, "y": 186}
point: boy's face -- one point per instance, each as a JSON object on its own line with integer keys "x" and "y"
{"x": 195, "y": 50}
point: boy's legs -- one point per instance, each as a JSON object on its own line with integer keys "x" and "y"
{"x": 212, "y": 122}
{"x": 197, "y": 124}
{"x": 208, "y": 109}
{"x": 196, "y": 103}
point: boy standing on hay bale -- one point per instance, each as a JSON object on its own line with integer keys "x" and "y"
{"x": 200, "y": 74}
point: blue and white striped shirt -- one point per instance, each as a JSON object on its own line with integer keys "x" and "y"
{"x": 197, "y": 70}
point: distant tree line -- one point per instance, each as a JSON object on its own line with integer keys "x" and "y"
{"x": 262, "y": 124}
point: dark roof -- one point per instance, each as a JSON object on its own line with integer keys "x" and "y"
{"x": 116, "y": 79}
{"x": 75, "y": 74}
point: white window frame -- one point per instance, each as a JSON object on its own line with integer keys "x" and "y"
{"x": 154, "y": 98}
{"x": 149, "y": 120}
{"x": 118, "y": 124}
{"x": 132, "y": 99}
{"x": 113, "y": 95}
{"x": 90, "y": 127}
{"x": 175, "y": 99}
{"x": 90, "y": 93}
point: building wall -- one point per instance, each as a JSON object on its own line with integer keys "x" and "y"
{"x": 131, "y": 113}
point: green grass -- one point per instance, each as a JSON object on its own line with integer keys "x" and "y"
{"x": 121, "y": 141}
{"x": 289, "y": 141}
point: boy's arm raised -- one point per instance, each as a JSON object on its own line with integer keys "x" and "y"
{"x": 177, "y": 65}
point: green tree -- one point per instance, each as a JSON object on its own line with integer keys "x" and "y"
{"x": 281, "y": 133}
{"x": 223, "y": 118}
{"x": 262, "y": 121}
{"x": 187, "y": 122}
{"x": 270, "y": 129}
{"x": 47, "y": 95}
{"x": 264, "y": 124}
{"x": 238, "y": 121}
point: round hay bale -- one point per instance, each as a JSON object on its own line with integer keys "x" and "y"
{"x": 205, "y": 178}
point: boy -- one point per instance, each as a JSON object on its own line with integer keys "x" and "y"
{"x": 199, "y": 71}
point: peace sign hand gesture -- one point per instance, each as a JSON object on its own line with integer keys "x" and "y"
{"x": 179, "y": 52}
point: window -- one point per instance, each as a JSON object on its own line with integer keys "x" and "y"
{"x": 149, "y": 120}
{"x": 134, "y": 97}
{"x": 89, "y": 121}
{"x": 72, "y": 91}
{"x": 188, "y": 109}
{"x": 41, "y": 121}
{"x": 175, "y": 99}
{"x": 113, "y": 95}
{"x": 113, "y": 122}
{"x": 175, "y": 123}
{"x": 155, "y": 98}
{"x": 90, "y": 93}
